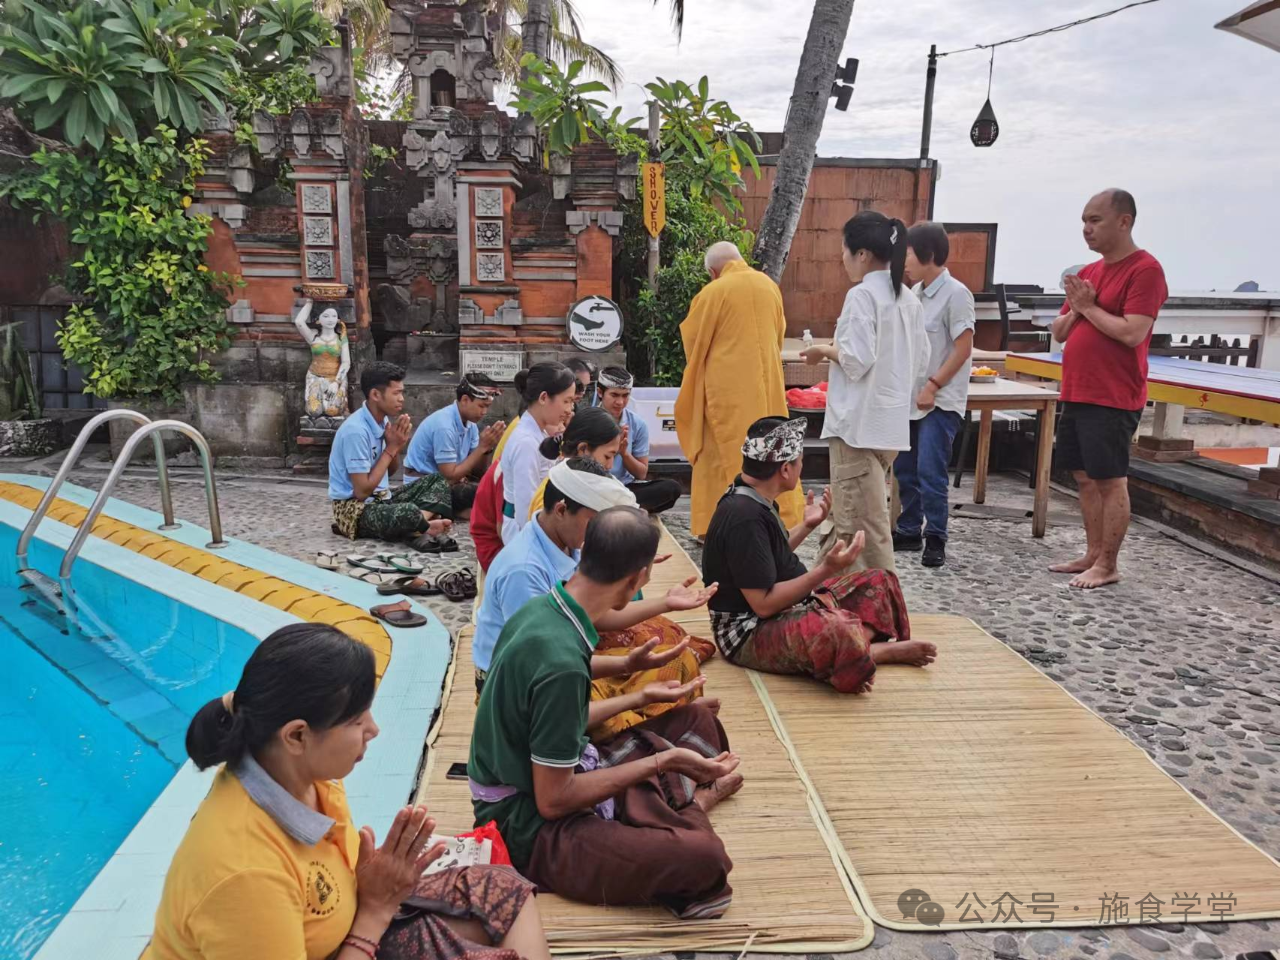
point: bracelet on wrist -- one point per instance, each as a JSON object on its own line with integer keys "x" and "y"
{"x": 935, "y": 383}
{"x": 362, "y": 945}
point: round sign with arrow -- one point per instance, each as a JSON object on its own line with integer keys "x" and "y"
{"x": 595, "y": 323}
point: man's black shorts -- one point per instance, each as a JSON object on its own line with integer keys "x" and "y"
{"x": 1096, "y": 440}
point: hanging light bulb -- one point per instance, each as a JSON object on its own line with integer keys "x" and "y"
{"x": 985, "y": 129}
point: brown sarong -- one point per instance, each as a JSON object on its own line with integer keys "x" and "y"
{"x": 660, "y": 847}
{"x": 493, "y": 896}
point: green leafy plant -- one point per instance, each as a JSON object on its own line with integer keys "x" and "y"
{"x": 653, "y": 331}
{"x": 705, "y": 144}
{"x": 280, "y": 29}
{"x": 19, "y": 399}
{"x": 280, "y": 91}
{"x": 152, "y": 312}
{"x": 560, "y": 106}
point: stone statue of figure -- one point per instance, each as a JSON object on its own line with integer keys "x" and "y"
{"x": 326, "y": 394}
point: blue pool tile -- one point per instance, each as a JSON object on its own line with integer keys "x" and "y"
{"x": 140, "y": 705}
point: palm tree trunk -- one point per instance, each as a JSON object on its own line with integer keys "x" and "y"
{"x": 827, "y": 29}
{"x": 535, "y": 34}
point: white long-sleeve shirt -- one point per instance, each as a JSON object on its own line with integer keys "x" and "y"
{"x": 523, "y": 470}
{"x": 883, "y": 351}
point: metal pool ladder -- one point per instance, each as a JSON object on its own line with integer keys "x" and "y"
{"x": 147, "y": 428}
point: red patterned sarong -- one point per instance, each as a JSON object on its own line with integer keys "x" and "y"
{"x": 822, "y": 635}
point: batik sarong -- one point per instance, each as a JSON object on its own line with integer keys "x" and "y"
{"x": 822, "y": 636}
{"x": 395, "y": 516}
{"x": 490, "y": 895}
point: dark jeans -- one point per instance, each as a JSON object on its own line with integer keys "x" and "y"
{"x": 922, "y": 474}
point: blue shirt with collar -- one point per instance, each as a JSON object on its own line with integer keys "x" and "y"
{"x": 529, "y": 566}
{"x": 356, "y": 448}
{"x": 444, "y": 437}
{"x": 637, "y": 443}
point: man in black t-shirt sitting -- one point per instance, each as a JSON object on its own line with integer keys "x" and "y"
{"x": 774, "y": 615}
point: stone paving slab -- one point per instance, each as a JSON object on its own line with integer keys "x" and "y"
{"x": 1183, "y": 657}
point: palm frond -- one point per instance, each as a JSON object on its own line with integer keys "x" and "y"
{"x": 677, "y": 16}
{"x": 565, "y": 48}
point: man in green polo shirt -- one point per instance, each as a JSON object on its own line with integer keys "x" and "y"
{"x": 622, "y": 824}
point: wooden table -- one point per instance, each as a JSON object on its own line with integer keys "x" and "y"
{"x": 1008, "y": 395}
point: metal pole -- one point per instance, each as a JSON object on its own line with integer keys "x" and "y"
{"x": 927, "y": 126}
{"x": 654, "y": 258}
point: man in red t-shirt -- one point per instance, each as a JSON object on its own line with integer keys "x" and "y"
{"x": 1105, "y": 328}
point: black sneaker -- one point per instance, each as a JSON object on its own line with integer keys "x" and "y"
{"x": 935, "y": 552}
{"x": 904, "y": 541}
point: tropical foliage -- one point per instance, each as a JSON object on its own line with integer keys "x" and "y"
{"x": 562, "y": 107}
{"x": 152, "y": 311}
{"x": 85, "y": 70}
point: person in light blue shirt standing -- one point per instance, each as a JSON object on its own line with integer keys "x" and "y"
{"x": 366, "y": 452}
{"x": 631, "y": 466}
{"x": 940, "y": 398}
{"x": 450, "y": 442}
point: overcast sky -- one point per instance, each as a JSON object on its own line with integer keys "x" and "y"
{"x": 1153, "y": 99}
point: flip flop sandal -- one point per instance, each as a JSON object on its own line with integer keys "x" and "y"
{"x": 370, "y": 563}
{"x": 400, "y": 562}
{"x": 327, "y": 560}
{"x": 410, "y": 587}
{"x": 398, "y": 615}
{"x": 368, "y": 576}
{"x": 458, "y": 585}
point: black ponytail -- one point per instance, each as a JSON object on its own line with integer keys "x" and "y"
{"x": 593, "y": 426}
{"x": 549, "y": 377}
{"x": 884, "y": 238}
{"x": 305, "y": 671}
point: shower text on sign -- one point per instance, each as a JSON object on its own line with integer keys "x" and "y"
{"x": 653, "y": 175}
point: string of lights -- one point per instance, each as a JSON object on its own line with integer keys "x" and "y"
{"x": 1049, "y": 30}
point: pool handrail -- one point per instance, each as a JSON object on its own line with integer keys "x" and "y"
{"x": 154, "y": 428}
{"x": 68, "y": 464}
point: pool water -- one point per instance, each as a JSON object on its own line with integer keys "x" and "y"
{"x": 93, "y": 716}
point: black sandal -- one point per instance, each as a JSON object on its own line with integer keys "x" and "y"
{"x": 458, "y": 585}
{"x": 409, "y": 586}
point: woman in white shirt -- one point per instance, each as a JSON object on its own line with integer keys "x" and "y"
{"x": 879, "y": 353}
{"x": 548, "y": 390}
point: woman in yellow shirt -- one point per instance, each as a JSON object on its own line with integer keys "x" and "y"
{"x": 272, "y": 866}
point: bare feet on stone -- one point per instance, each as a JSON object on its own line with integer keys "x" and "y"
{"x": 1075, "y": 566}
{"x": 707, "y": 797}
{"x": 915, "y": 653}
{"x": 1096, "y": 576}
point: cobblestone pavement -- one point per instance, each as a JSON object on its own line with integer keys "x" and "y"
{"x": 1183, "y": 658}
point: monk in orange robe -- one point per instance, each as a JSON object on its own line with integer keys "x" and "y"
{"x": 732, "y": 378}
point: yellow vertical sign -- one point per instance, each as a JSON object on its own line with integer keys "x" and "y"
{"x": 654, "y": 180}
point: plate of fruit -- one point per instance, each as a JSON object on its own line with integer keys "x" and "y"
{"x": 984, "y": 375}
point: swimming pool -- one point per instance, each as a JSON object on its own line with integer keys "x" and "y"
{"x": 93, "y": 722}
{"x": 95, "y": 788}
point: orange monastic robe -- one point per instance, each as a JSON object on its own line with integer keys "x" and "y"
{"x": 732, "y": 378}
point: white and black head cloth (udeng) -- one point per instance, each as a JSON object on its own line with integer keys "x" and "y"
{"x": 782, "y": 444}
{"x": 591, "y": 490}
{"x": 476, "y": 391}
{"x": 610, "y": 382}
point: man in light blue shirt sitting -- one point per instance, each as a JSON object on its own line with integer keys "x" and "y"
{"x": 631, "y": 465}
{"x": 546, "y": 551}
{"x": 450, "y": 442}
{"x": 941, "y": 397}
{"x": 366, "y": 452}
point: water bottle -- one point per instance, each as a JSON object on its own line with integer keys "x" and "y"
{"x": 808, "y": 339}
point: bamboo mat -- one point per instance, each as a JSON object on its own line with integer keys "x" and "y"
{"x": 981, "y": 777}
{"x": 791, "y": 892}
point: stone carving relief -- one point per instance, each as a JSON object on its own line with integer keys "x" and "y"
{"x": 319, "y": 265}
{"x": 509, "y": 314}
{"x": 303, "y": 133}
{"x": 488, "y": 201}
{"x": 317, "y": 231}
{"x": 610, "y": 221}
{"x": 328, "y": 67}
{"x": 316, "y": 198}
{"x": 433, "y": 257}
{"x": 491, "y": 267}
{"x": 488, "y": 234}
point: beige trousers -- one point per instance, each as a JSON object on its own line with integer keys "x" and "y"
{"x": 860, "y": 490}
